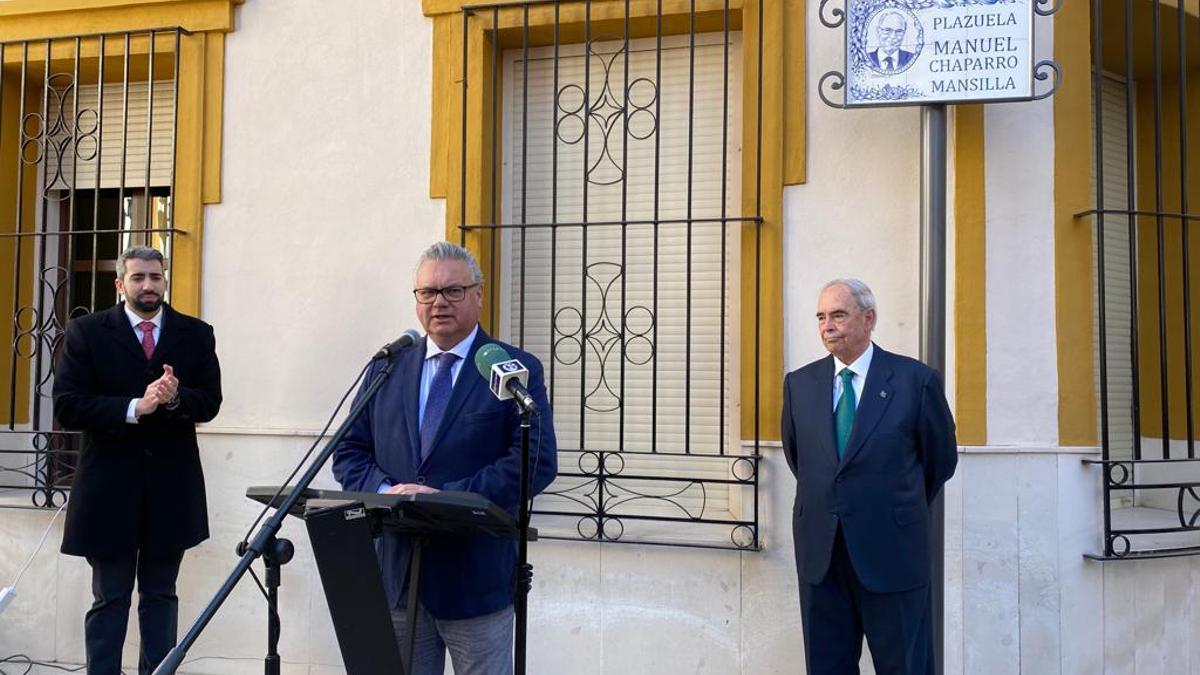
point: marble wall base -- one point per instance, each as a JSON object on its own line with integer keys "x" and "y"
{"x": 1021, "y": 597}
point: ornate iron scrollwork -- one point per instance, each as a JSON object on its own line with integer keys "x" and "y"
{"x": 1047, "y": 7}
{"x": 1117, "y": 473}
{"x": 1119, "y": 545}
{"x": 614, "y": 118}
{"x": 1041, "y": 71}
{"x": 603, "y": 336}
{"x": 837, "y": 16}
{"x": 608, "y": 489}
{"x": 838, "y": 82}
{"x": 62, "y": 135}
{"x": 1185, "y": 520}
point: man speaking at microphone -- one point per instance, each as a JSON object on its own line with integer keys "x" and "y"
{"x": 435, "y": 425}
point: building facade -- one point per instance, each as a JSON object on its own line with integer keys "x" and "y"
{"x": 657, "y": 192}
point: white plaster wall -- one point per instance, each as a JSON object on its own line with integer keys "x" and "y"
{"x": 1022, "y": 370}
{"x": 308, "y": 258}
{"x": 1165, "y": 473}
{"x": 1021, "y": 596}
{"x": 616, "y": 608}
{"x": 857, "y": 216}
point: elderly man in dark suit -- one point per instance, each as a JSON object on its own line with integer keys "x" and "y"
{"x": 870, "y": 439}
{"x": 433, "y": 426}
{"x": 890, "y": 56}
{"x": 135, "y": 379}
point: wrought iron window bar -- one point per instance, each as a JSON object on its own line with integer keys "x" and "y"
{"x": 64, "y": 233}
{"x": 1133, "y": 472}
{"x": 596, "y": 495}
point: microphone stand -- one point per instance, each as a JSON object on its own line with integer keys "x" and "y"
{"x": 524, "y": 569}
{"x": 274, "y": 550}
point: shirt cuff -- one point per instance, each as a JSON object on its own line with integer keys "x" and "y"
{"x": 383, "y": 487}
{"x": 131, "y": 411}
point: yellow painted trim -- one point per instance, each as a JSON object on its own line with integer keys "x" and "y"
{"x": 447, "y": 34}
{"x": 795, "y": 136}
{"x": 26, "y": 7}
{"x": 1073, "y": 276}
{"x": 970, "y": 256}
{"x": 1149, "y": 347}
{"x": 572, "y": 12}
{"x": 189, "y": 177}
{"x": 783, "y": 131}
{"x": 39, "y": 19}
{"x": 214, "y": 104}
{"x": 201, "y": 80}
{"x": 767, "y": 244}
{"x": 10, "y": 189}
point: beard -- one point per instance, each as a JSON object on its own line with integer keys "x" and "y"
{"x": 146, "y": 303}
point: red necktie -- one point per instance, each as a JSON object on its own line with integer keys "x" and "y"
{"x": 147, "y": 328}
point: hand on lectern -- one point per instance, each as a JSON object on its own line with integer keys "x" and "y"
{"x": 411, "y": 489}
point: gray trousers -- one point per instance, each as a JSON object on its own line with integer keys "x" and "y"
{"x": 482, "y": 645}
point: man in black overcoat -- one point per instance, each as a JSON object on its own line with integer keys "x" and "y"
{"x": 136, "y": 379}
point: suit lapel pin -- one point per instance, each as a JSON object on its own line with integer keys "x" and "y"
{"x": 882, "y": 394}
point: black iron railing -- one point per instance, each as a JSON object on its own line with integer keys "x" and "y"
{"x": 87, "y": 168}
{"x": 613, "y": 220}
{"x": 1144, "y": 283}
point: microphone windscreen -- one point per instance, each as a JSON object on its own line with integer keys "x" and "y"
{"x": 488, "y": 356}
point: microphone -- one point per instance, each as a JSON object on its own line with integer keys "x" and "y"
{"x": 506, "y": 376}
{"x": 406, "y": 339}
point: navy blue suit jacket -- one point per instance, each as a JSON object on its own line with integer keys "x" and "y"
{"x": 903, "y": 58}
{"x": 901, "y": 450}
{"x": 476, "y": 449}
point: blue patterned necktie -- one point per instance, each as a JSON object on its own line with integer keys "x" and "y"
{"x": 843, "y": 415}
{"x": 435, "y": 404}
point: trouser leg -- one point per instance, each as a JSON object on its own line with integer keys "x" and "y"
{"x": 105, "y": 623}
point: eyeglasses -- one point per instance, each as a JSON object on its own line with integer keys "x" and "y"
{"x": 427, "y": 296}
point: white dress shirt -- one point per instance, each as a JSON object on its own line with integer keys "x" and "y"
{"x": 429, "y": 369}
{"x": 859, "y": 368}
{"x": 134, "y": 320}
{"x": 882, "y": 56}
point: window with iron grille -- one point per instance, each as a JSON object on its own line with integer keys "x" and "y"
{"x": 1145, "y": 68}
{"x": 614, "y": 246}
{"x": 87, "y": 169}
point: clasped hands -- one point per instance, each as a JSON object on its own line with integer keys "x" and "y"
{"x": 164, "y": 391}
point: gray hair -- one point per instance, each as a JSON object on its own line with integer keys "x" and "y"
{"x": 139, "y": 253}
{"x": 444, "y": 250}
{"x": 892, "y": 12}
{"x": 863, "y": 296}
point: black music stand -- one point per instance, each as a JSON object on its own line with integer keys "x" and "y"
{"x": 342, "y": 525}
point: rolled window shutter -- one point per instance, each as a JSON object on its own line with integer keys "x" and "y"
{"x": 73, "y": 154}
{"x": 592, "y": 291}
{"x": 1117, "y": 301}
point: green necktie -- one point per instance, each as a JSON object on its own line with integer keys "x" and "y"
{"x": 843, "y": 415}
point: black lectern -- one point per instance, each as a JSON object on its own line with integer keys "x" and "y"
{"x": 342, "y": 526}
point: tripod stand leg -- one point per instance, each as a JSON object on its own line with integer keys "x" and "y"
{"x": 277, "y": 554}
{"x": 414, "y": 581}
